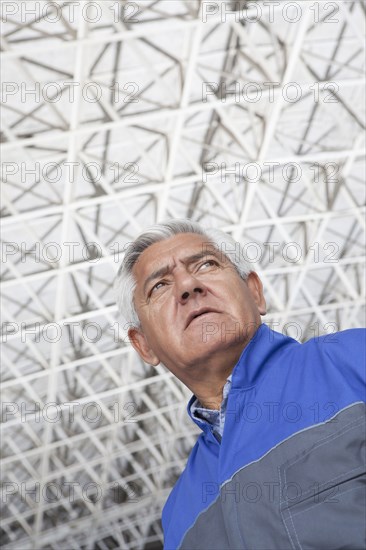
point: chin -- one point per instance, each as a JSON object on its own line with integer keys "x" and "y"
{"x": 215, "y": 344}
{"x": 222, "y": 337}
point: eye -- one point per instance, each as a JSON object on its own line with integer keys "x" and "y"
{"x": 156, "y": 286}
{"x": 210, "y": 263}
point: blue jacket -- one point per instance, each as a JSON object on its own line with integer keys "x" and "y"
{"x": 289, "y": 472}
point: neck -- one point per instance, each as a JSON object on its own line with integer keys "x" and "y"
{"x": 209, "y": 400}
{"x": 209, "y": 390}
{"x": 207, "y": 378}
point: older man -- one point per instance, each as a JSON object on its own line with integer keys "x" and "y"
{"x": 280, "y": 463}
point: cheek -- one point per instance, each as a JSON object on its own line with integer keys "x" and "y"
{"x": 242, "y": 302}
{"x": 234, "y": 294}
{"x": 156, "y": 319}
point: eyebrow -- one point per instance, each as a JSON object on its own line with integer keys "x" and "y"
{"x": 162, "y": 271}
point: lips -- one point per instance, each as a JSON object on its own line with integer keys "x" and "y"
{"x": 197, "y": 313}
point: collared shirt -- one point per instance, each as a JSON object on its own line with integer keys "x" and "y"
{"x": 213, "y": 416}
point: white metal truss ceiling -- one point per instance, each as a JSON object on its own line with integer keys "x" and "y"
{"x": 126, "y": 131}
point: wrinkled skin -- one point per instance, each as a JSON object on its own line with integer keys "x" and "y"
{"x": 202, "y": 351}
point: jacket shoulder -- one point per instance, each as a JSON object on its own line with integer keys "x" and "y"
{"x": 344, "y": 352}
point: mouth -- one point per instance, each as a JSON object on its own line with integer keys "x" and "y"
{"x": 198, "y": 313}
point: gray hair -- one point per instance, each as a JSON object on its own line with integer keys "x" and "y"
{"x": 125, "y": 283}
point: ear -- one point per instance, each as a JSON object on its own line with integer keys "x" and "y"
{"x": 141, "y": 345}
{"x": 256, "y": 289}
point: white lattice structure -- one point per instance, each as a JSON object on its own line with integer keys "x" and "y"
{"x": 248, "y": 116}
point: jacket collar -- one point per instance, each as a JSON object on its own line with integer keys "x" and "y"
{"x": 262, "y": 352}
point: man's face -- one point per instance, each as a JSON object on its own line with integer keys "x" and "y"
{"x": 194, "y": 308}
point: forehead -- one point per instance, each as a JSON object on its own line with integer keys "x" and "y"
{"x": 170, "y": 250}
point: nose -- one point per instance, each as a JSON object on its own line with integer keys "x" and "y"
{"x": 188, "y": 287}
